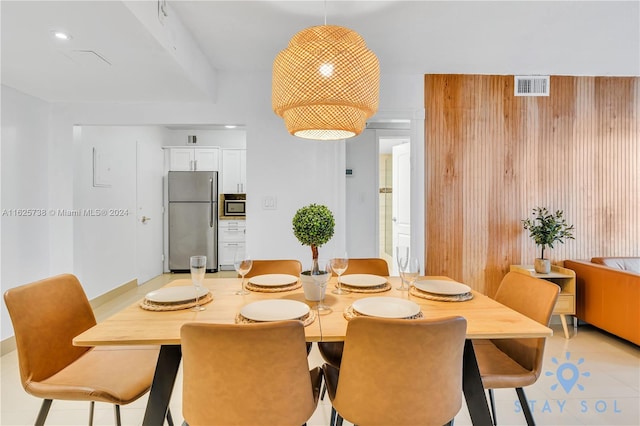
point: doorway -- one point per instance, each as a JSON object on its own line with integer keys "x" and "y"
{"x": 149, "y": 210}
{"x": 394, "y": 196}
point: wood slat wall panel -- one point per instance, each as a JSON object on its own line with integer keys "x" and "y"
{"x": 492, "y": 157}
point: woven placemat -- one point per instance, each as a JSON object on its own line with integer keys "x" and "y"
{"x": 349, "y": 313}
{"x": 376, "y": 289}
{"x": 306, "y": 320}
{"x": 153, "y": 306}
{"x": 440, "y": 297}
{"x": 275, "y": 289}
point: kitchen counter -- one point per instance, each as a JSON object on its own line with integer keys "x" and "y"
{"x": 232, "y": 218}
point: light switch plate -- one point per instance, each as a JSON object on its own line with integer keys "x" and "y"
{"x": 269, "y": 202}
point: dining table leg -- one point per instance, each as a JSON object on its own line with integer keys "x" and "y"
{"x": 164, "y": 379}
{"x": 473, "y": 388}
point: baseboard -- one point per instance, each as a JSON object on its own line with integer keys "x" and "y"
{"x": 110, "y": 295}
{"x": 9, "y": 344}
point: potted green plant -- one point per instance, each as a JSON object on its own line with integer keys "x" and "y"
{"x": 545, "y": 229}
{"x": 313, "y": 225}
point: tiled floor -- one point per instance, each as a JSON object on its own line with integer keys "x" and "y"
{"x": 590, "y": 379}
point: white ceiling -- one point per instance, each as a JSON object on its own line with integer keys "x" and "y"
{"x": 177, "y": 61}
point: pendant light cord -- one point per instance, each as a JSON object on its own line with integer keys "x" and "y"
{"x": 325, "y": 12}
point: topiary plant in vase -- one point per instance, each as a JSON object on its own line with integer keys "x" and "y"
{"x": 546, "y": 229}
{"x": 313, "y": 226}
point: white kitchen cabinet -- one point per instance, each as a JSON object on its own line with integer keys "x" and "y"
{"x": 226, "y": 255}
{"x": 194, "y": 159}
{"x": 231, "y": 237}
{"x": 234, "y": 171}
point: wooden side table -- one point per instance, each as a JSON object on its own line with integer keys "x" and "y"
{"x": 566, "y": 279}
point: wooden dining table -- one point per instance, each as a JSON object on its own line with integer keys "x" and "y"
{"x": 486, "y": 319}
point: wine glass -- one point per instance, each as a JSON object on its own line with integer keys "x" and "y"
{"x": 339, "y": 264}
{"x": 321, "y": 277}
{"x": 402, "y": 257}
{"x": 411, "y": 272}
{"x": 242, "y": 262}
{"x": 198, "y": 269}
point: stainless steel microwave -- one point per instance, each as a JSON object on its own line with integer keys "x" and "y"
{"x": 235, "y": 207}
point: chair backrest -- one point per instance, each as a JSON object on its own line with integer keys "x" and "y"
{"x": 534, "y": 298}
{"x": 401, "y": 372}
{"x": 371, "y": 265}
{"x": 46, "y": 316}
{"x": 246, "y": 374}
{"x": 279, "y": 266}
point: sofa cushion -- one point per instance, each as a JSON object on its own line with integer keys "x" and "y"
{"x": 631, "y": 264}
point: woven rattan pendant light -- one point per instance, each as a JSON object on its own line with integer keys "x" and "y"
{"x": 326, "y": 83}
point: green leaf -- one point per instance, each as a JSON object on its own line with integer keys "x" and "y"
{"x": 313, "y": 225}
{"x": 546, "y": 228}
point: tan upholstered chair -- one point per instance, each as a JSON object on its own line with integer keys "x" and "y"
{"x": 369, "y": 265}
{"x": 331, "y": 352}
{"x": 247, "y": 374}
{"x": 46, "y": 316}
{"x": 399, "y": 372}
{"x": 515, "y": 363}
{"x": 279, "y": 266}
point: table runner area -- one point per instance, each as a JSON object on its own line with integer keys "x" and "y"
{"x": 441, "y": 297}
{"x": 153, "y": 306}
{"x": 306, "y": 319}
{"x": 350, "y": 313}
{"x": 277, "y": 289}
{"x": 375, "y": 289}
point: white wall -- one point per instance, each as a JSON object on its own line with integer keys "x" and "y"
{"x": 362, "y": 195}
{"x": 25, "y": 240}
{"x": 295, "y": 171}
{"x": 105, "y": 246}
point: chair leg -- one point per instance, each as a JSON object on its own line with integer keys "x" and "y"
{"x": 169, "y": 417}
{"x": 92, "y": 406}
{"x": 117, "y": 414}
{"x": 525, "y": 407}
{"x": 324, "y": 390}
{"x": 332, "y": 422}
{"x": 44, "y": 411}
{"x": 339, "y": 420}
{"x": 493, "y": 407}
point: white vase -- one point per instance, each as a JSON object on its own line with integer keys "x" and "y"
{"x": 312, "y": 291}
{"x": 542, "y": 266}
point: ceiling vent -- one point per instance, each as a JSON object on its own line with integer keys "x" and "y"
{"x": 531, "y": 85}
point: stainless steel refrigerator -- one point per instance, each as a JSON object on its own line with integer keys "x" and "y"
{"x": 193, "y": 218}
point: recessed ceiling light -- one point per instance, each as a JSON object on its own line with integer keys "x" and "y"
{"x": 230, "y": 126}
{"x": 61, "y": 35}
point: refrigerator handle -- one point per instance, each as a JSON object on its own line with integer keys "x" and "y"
{"x": 212, "y": 203}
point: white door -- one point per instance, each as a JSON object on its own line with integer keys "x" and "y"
{"x": 401, "y": 157}
{"x": 149, "y": 171}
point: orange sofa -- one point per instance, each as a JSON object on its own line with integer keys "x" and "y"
{"x": 608, "y": 294}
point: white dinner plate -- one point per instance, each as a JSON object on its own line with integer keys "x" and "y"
{"x": 175, "y": 294}
{"x": 449, "y": 288}
{"x": 274, "y": 310}
{"x": 273, "y": 280}
{"x": 362, "y": 280}
{"x": 386, "y": 307}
